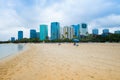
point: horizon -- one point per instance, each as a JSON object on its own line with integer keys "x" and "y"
{"x": 25, "y": 15}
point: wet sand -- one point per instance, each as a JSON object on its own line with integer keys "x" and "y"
{"x": 88, "y": 61}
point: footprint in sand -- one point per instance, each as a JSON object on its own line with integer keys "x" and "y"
{"x": 45, "y": 76}
{"x": 76, "y": 74}
{"x": 91, "y": 76}
{"x": 62, "y": 79}
{"x": 4, "y": 73}
{"x": 72, "y": 79}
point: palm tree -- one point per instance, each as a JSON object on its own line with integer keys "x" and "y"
{"x": 63, "y": 36}
{"x": 66, "y": 33}
{"x": 74, "y": 36}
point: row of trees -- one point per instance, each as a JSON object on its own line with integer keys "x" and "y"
{"x": 89, "y": 38}
{"x": 36, "y": 40}
{"x": 102, "y": 38}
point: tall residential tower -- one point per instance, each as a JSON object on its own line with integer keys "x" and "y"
{"x": 95, "y": 31}
{"x": 76, "y": 29}
{"x": 20, "y": 35}
{"x": 55, "y": 30}
{"x": 33, "y": 33}
{"x": 43, "y": 32}
{"x": 68, "y": 32}
{"x": 105, "y": 32}
{"x": 83, "y": 29}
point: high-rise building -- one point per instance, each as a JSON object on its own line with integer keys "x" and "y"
{"x": 20, "y": 35}
{"x": 95, "y": 32}
{"x": 68, "y": 32}
{"x": 76, "y": 29}
{"x": 38, "y": 35}
{"x": 117, "y": 32}
{"x": 65, "y": 32}
{"x": 55, "y": 30}
{"x": 43, "y": 32}
{"x": 61, "y": 33}
{"x": 105, "y": 32}
{"x": 83, "y": 29}
{"x": 12, "y": 39}
{"x": 33, "y": 33}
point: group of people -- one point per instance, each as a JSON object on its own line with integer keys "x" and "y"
{"x": 75, "y": 44}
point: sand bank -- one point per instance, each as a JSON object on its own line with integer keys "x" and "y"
{"x": 92, "y": 61}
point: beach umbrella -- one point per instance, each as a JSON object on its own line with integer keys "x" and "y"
{"x": 75, "y": 40}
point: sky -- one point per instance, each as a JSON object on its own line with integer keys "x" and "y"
{"x": 24, "y": 15}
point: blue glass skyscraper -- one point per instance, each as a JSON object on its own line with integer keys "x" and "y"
{"x": 55, "y": 30}
{"x": 43, "y": 32}
{"x": 20, "y": 35}
{"x": 12, "y": 39}
{"x": 33, "y": 33}
{"x": 95, "y": 32}
{"x": 105, "y": 32}
{"x": 38, "y": 35}
{"x": 76, "y": 29}
{"x": 117, "y": 32}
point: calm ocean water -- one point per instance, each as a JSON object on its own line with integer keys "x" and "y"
{"x": 10, "y": 49}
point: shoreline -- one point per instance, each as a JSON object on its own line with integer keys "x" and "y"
{"x": 13, "y": 55}
{"x": 64, "y": 62}
{"x": 58, "y": 42}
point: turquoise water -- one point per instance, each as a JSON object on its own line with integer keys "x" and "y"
{"x": 10, "y": 49}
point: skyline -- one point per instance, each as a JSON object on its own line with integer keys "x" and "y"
{"x": 43, "y": 29}
{"x": 25, "y": 15}
{"x": 79, "y": 31}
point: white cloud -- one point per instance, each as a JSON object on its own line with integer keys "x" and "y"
{"x": 21, "y": 14}
{"x": 109, "y": 21}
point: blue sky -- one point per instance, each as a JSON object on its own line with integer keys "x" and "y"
{"x": 29, "y": 14}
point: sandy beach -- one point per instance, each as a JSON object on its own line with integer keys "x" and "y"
{"x": 88, "y": 61}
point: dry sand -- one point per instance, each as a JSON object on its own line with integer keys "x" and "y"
{"x": 88, "y": 61}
